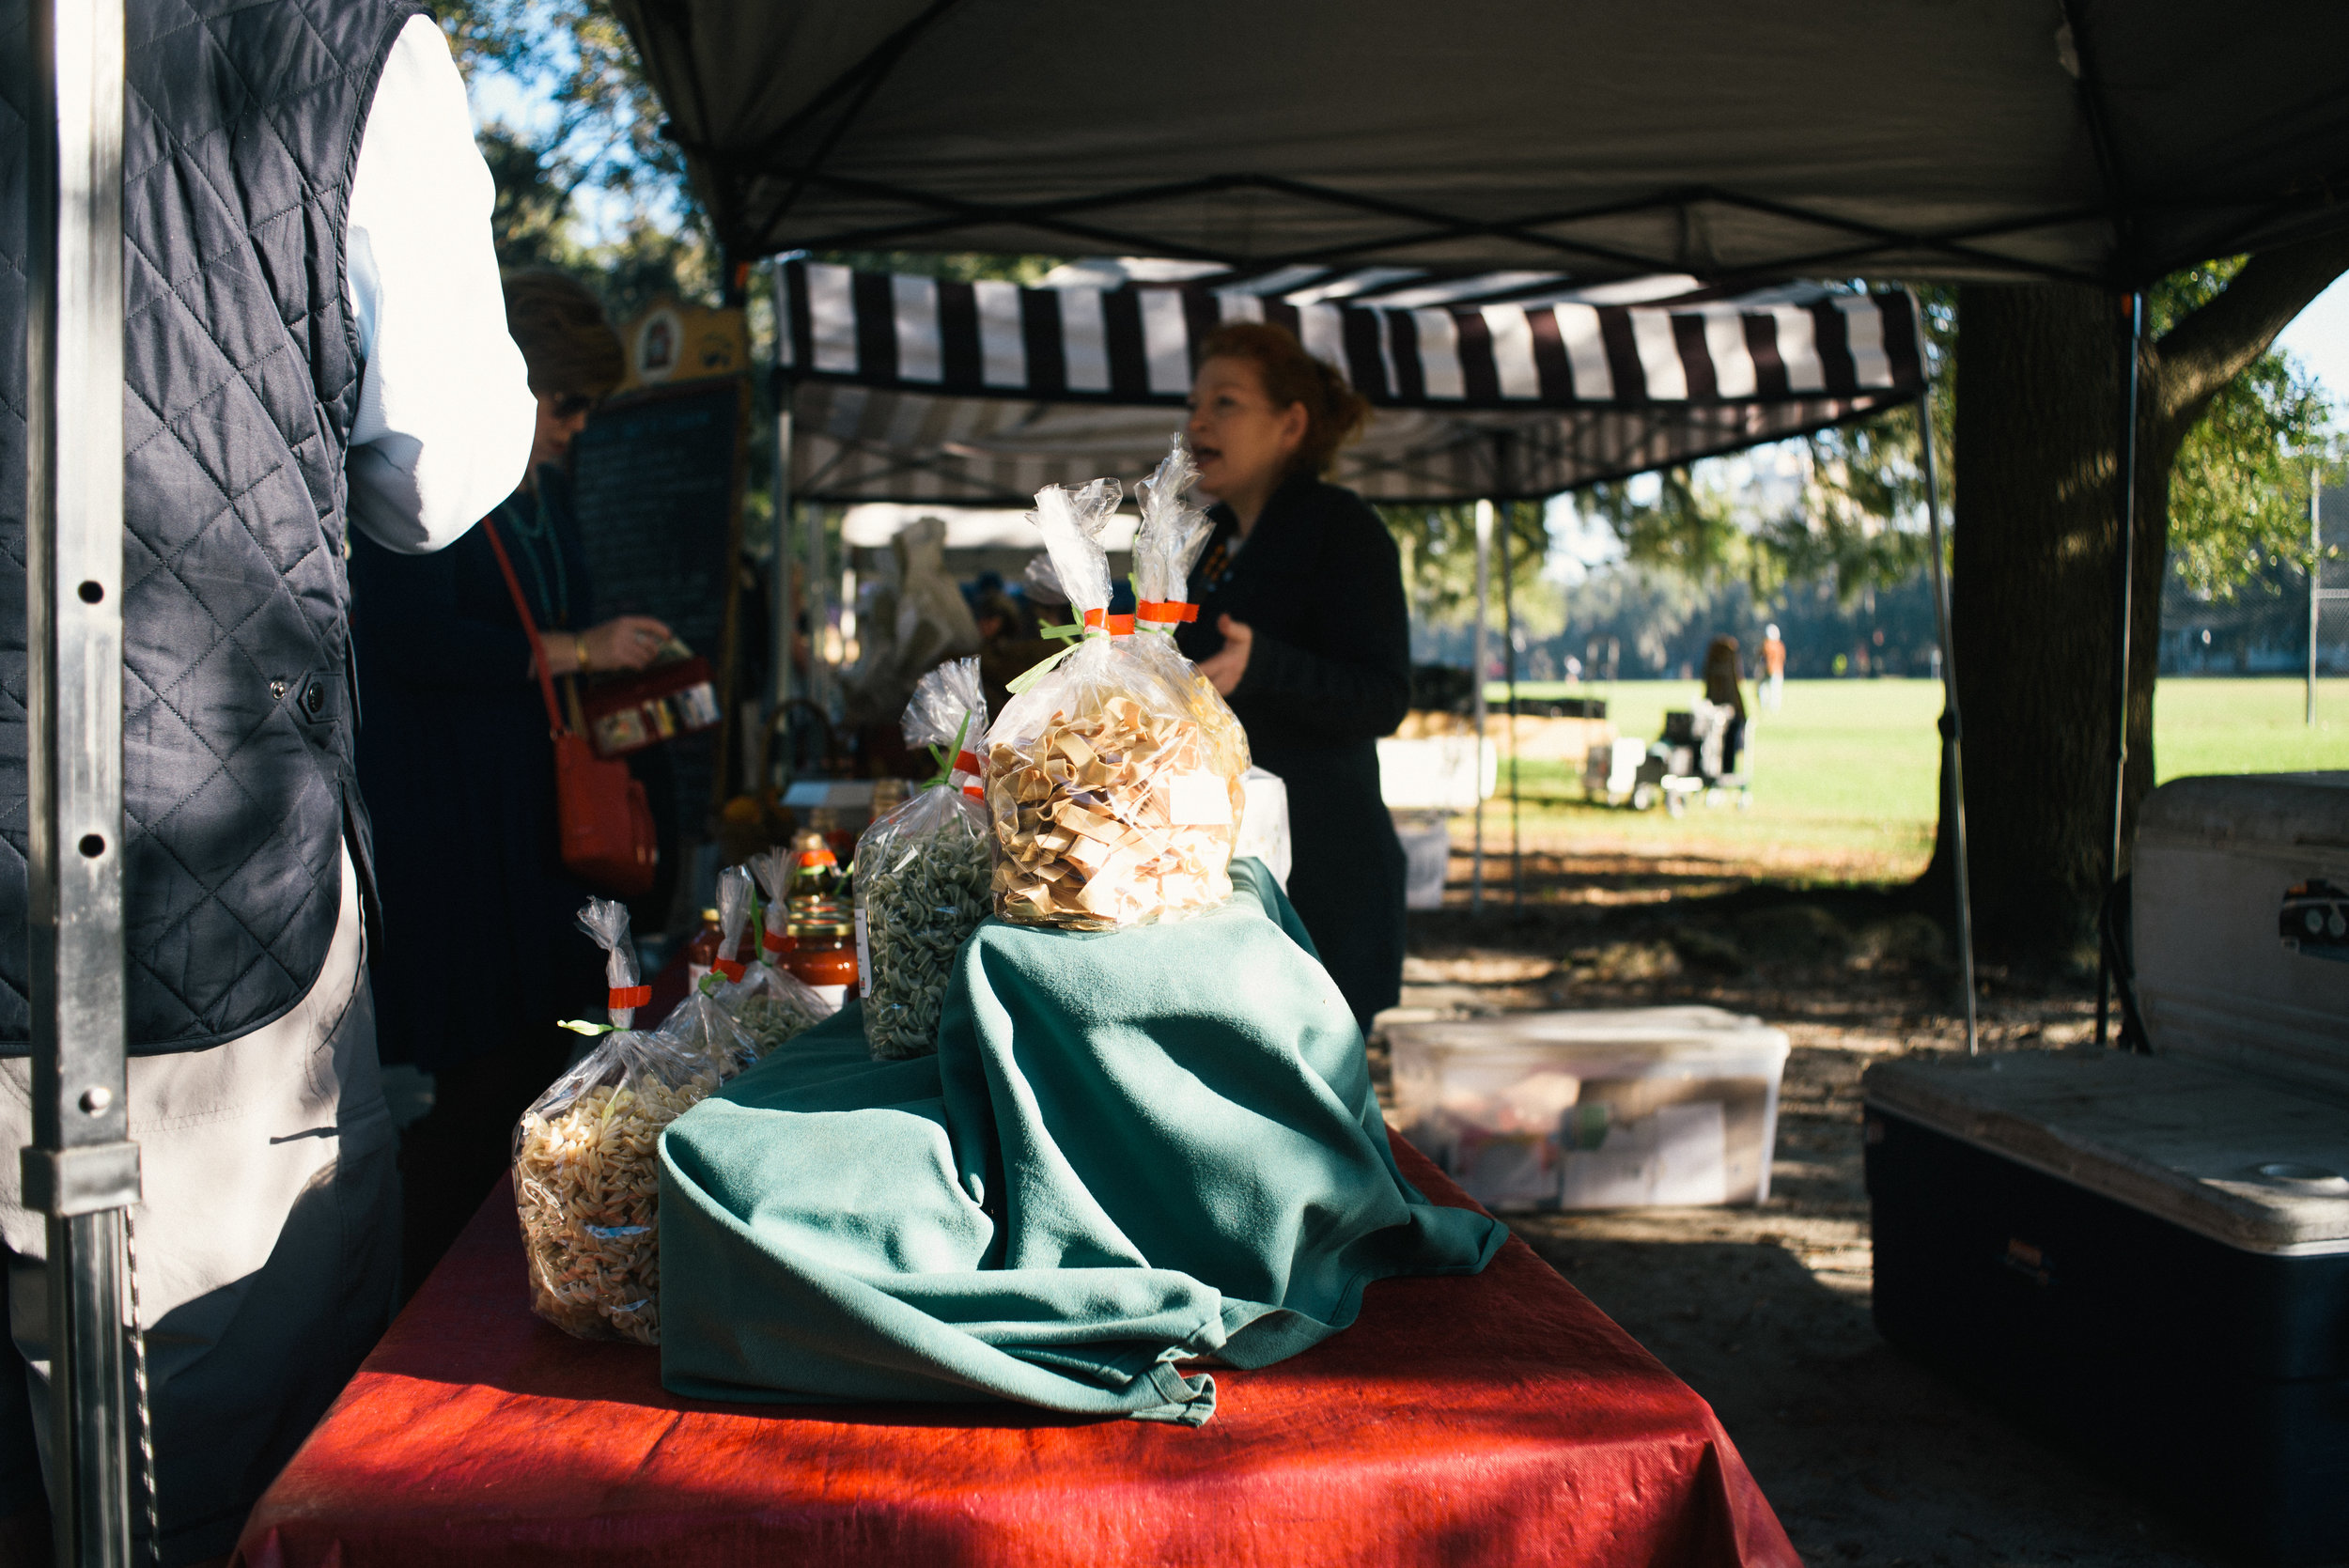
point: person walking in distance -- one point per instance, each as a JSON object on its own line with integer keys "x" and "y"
{"x": 1773, "y": 667}
{"x": 313, "y": 342}
{"x": 1721, "y": 688}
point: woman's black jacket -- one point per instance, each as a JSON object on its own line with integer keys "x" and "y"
{"x": 1320, "y": 585}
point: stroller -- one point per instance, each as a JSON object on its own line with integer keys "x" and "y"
{"x": 1682, "y": 765}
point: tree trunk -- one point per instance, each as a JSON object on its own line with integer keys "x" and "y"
{"x": 2041, "y": 421}
{"x": 2039, "y": 416}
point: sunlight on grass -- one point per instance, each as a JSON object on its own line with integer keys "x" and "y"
{"x": 1845, "y": 775}
{"x": 2248, "y": 726}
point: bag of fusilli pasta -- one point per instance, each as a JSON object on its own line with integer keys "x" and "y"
{"x": 586, "y": 1171}
{"x": 922, "y": 870}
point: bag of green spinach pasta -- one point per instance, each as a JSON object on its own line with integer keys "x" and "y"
{"x": 922, "y": 870}
{"x": 770, "y": 1005}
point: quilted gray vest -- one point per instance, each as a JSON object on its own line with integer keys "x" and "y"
{"x": 242, "y": 378}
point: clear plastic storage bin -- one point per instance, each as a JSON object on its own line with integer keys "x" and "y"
{"x": 1594, "y": 1110}
{"x": 1426, "y": 859}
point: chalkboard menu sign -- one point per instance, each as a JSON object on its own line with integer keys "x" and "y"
{"x": 659, "y": 479}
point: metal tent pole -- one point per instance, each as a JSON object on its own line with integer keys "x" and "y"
{"x": 1951, "y": 732}
{"x": 813, "y": 596}
{"x": 1476, "y": 774}
{"x": 779, "y": 585}
{"x": 779, "y": 590}
{"x": 781, "y": 609}
{"x": 2316, "y": 575}
{"x": 82, "y": 1171}
{"x": 2121, "y": 608}
{"x": 1509, "y": 665}
{"x": 817, "y": 602}
{"x": 1503, "y": 481}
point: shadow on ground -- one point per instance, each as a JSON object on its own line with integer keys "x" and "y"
{"x": 1867, "y": 1456}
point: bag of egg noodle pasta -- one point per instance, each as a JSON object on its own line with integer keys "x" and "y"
{"x": 1112, "y": 803}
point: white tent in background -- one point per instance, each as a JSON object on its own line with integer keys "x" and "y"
{"x": 1484, "y": 387}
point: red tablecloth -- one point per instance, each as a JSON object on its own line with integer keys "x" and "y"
{"x": 1495, "y": 1419}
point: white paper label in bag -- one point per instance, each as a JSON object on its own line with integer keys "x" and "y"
{"x": 1198, "y": 799}
{"x": 1676, "y": 1155}
{"x": 863, "y": 959}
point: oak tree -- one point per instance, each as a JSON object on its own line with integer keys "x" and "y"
{"x": 2040, "y": 391}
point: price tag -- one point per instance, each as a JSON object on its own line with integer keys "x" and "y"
{"x": 864, "y": 957}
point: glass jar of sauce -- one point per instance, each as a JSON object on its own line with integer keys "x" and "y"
{"x": 701, "y": 954}
{"x": 823, "y": 952}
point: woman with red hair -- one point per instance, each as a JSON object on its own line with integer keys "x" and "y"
{"x": 1303, "y": 627}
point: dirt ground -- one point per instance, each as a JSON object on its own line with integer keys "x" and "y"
{"x": 1868, "y": 1457}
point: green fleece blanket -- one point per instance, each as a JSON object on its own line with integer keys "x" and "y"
{"x": 1132, "y": 1149}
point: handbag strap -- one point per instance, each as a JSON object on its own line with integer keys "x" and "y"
{"x": 530, "y": 627}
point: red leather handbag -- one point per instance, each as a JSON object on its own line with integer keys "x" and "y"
{"x": 606, "y": 824}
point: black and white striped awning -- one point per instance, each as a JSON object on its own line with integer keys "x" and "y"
{"x": 910, "y": 388}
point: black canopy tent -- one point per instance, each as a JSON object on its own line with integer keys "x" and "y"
{"x": 2010, "y": 140}
{"x": 2015, "y": 139}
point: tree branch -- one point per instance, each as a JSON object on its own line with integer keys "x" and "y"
{"x": 2199, "y": 355}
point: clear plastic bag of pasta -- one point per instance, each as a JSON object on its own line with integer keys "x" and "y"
{"x": 1112, "y": 804}
{"x": 1172, "y": 535}
{"x": 587, "y": 1174}
{"x": 772, "y": 1005}
{"x": 705, "y": 1025}
{"x": 923, "y": 870}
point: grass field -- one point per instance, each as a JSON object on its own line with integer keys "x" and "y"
{"x": 1845, "y": 773}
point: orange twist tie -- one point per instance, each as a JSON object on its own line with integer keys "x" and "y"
{"x": 1121, "y": 626}
{"x": 731, "y": 968}
{"x": 628, "y": 996}
{"x": 1096, "y": 619}
{"x": 775, "y": 942}
{"x": 1166, "y": 610}
{"x": 968, "y": 762}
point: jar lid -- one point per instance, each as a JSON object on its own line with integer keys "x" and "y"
{"x": 820, "y": 917}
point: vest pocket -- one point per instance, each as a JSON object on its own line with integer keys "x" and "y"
{"x": 318, "y": 700}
